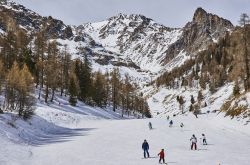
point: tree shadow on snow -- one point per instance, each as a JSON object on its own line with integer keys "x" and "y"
{"x": 82, "y": 110}
{"x": 39, "y": 131}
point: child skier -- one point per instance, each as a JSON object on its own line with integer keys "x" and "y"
{"x": 162, "y": 156}
{"x": 204, "y": 139}
{"x": 193, "y": 141}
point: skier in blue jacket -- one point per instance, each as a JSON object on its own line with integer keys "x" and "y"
{"x": 145, "y": 148}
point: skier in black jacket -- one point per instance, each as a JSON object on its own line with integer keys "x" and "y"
{"x": 145, "y": 148}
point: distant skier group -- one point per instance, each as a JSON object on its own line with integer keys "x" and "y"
{"x": 194, "y": 141}
{"x": 161, "y": 154}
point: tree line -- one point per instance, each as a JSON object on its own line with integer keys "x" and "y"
{"x": 32, "y": 62}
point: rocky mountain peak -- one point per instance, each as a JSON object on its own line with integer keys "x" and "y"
{"x": 131, "y": 17}
{"x": 201, "y": 17}
{"x": 204, "y": 29}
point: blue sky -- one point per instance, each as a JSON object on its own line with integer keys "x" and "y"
{"x": 172, "y": 13}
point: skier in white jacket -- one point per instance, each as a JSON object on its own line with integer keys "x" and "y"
{"x": 193, "y": 142}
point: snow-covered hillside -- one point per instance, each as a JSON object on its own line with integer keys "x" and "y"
{"x": 163, "y": 101}
{"x": 62, "y": 135}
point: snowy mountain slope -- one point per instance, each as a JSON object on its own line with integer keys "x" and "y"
{"x": 135, "y": 37}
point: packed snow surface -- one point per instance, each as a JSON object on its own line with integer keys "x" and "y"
{"x": 61, "y": 134}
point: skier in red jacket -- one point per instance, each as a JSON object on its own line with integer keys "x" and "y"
{"x": 162, "y": 156}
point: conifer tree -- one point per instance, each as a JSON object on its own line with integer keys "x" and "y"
{"x": 52, "y": 71}
{"x": 107, "y": 88}
{"x": 65, "y": 62}
{"x": 99, "y": 90}
{"x": 19, "y": 90}
{"x": 236, "y": 89}
{"x": 73, "y": 89}
{"x": 2, "y": 75}
{"x": 26, "y": 90}
{"x": 115, "y": 82}
{"x": 11, "y": 91}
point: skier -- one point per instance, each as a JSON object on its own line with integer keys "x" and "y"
{"x": 194, "y": 141}
{"x": 204, "y": 139}
{"x": 181, "y": 125}
{"x": 171, "y": 123}
{"x": 150, "y": 125}
{"x": 168, "y": 118}
{"x": 162, "y": 156}
{"x": 145, "y": 148}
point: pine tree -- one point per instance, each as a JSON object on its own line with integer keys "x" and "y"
{"x": 84, "y": 76}
{"x": 73, "y": 89}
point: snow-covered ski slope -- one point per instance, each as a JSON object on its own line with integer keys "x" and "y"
{"x": 62, "y": 135}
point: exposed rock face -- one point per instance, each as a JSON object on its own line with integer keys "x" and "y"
{"x": 204, "y": 29}
{"x": 31, "y": 21}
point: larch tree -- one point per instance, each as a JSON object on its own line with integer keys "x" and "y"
{"x": 115, "y": 83}
{"x": 26, "y": 89}
{"x": 51, "y": 71}
{"x": 99, "y": 90}
{"x": 244, "y": 20}
{"x": 40, "y": 47}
